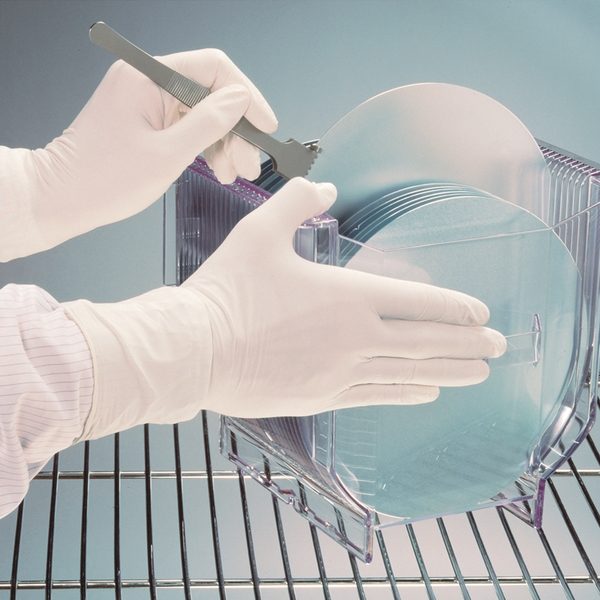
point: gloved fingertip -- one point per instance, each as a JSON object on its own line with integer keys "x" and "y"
{"x": 225, "y": 177}
{"x": 327, "y": 193}
{"x": 221, "y": 166}
{"x": 480, "y": 373}
{"x": 261, "y": 115}
{"x": 426, "y": 394}
{"x": 250, "y": 171}
{"x": 273, "y": 127}
{"x": 500, "y": 344}
{"x": 207, "y": 122}
{"x": 270, "y": 116}
{"x": 266, "y": 120}
{"x": 232, "y": 96}
{"x": 480, "y": 313}
{"x": 244, "y": 158}
{"x": 299, "y": 200}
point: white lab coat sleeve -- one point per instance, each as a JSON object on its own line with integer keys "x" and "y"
{"x": 46, "y": 386}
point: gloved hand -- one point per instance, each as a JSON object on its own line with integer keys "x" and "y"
{"x": 258, "y": 331}
{"x": 128, "y": 144}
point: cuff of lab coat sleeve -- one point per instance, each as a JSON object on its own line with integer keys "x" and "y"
{"x": 151, "y": 357}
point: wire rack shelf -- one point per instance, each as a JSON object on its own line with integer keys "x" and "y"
{"x": 169, "y": 518}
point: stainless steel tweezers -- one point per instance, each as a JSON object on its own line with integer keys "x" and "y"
{"x": 290, "y": 159}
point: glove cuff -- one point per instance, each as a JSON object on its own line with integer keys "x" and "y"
{"x": 151, "y": 355}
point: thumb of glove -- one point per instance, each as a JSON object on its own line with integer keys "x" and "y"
{"x": 296, "y": 202}
{"x": 208, "y": 121}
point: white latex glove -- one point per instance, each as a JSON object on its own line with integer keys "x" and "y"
{"x": 258, "y": 331}
{"x": 128, "y": 144}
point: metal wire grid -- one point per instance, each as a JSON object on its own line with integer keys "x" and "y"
{"x": 239, "y": 542}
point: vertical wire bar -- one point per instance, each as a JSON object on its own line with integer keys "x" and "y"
{"x": 149, "y": 536}
{"x": 485, "y": 556}
{"x": 593, "y": 448}
{"x": 247, "y": 525}
{"x": 213, "y": 512}
{"x": 50, "y": 547}
{"x": 452, "y": 557}
{"x": 117, "y": 520}
{"x": 249, "y": 542}
{"x": 387, "y": 564}
{"x": 16, "y": 548}
{"x": 518, "y": 555}
{"x": 573, "y": 532}
{"x": 351, "y": 557}
{"x": 420, "y": 562}
{"x": 317, "y": 547}
{"x": 584, "y": 490}
{"x": 555, "y": 565}
{"x": 180, "y": 508}
{"x": 84, "y": 519}
{"x": 281, "y": 537}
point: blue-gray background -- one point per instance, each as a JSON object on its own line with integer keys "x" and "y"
{"x": 313, "y": 60}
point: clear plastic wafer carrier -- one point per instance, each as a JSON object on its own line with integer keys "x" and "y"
{"x": 356, "y": 471}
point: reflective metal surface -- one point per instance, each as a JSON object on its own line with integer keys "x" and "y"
{"x": 157, "y": 513}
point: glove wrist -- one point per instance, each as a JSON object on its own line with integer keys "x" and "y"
{"x": 152, "y": 358}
